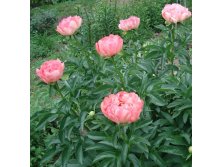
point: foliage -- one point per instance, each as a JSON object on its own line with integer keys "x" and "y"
{"x": 63, "y": 133}
{"x": 44, "y": 45}
{"x": 35, "y": 3}
{"x": 43, "y": 22}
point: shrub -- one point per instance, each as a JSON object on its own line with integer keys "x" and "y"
{"x": 161, "y": 136}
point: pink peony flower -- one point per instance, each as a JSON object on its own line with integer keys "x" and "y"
{"x": 51, "y": 71}
{"x": 122, "y": 107}
{"x": 109, "y": 45}
{"x": 69, "y": 25}
{"x": 174, "y": 13}
{"x": 132, "y": 22}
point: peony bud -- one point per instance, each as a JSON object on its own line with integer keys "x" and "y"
{"x": 190, "y": 149}
{"x": 91, "y": 113}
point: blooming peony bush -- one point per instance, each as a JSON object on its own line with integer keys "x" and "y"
{"x": 132, "y": 109}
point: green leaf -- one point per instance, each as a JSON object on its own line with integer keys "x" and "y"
{"x": 107, "y": 154}
{"x": 74, "y": 163}
{"x": 80, "y": 154}
{"x": 157, "y": 100}
{"x": 66, "y": 155}
{"x": 162, "y": 27}
{"x": 66, "y": 121}
{"x": 124, "y": 152}
{"x": 102, "y": 89}
{"x": 143, "y": 82}
{"x": 174, "y": 139}
{"x": 142, "y": 124}
{"x": 52, "y": 91}
{"x": 168, "y": 117}
{"x": 144, "y": 67}
{"x": 97, "y": 135}
{"x": 140, "y": 148}
{"x": 106, "y": 163}
{"x": 119, "y": 161}
{"x": 185, "y": 106}
{"x": 157, "y": 159}
{"x": 98, "y": 146}
{"x": 187, "y": 137}
{"x": 67, "y": 85}
{"x": 175, "y": 150}
{"x": 185, "y": 117}
{"x": 171, "y": 87}
{"x": 175, "y": 103}
{"x": 176, "y": 113}
{"x": 46, "y": 119}
{"x": 49, "y": 155}
{"x": 139, "y": 139}
{"x": 134, "y": 160}
{"x": 83, "y": 116}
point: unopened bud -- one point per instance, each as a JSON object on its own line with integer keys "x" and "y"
{"x": 91, "y": 113}
{"x": 190, "y": 149}
{"x": 125, "y": 32}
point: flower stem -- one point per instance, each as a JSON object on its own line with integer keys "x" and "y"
{"x": 58, "y": 89}
{"x": 118, "y": 72}
{"x": 122, "y": 132}
{"x": 172, "y": 55}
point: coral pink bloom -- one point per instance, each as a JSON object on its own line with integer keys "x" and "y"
{"x": 122, "y": 107}
{"x": 69, "y": 25}
{"x": 132, "y": 22}
{"x": 109, "y": 45}
{"x": 174, "y": 13}
{"x": 51, "y": 71}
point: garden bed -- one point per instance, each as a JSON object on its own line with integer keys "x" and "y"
{"x": 147, "y": 69}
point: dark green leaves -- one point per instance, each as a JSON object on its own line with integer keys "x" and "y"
{"x": 97, "y": 135}
{"x": 157, "y": 99}
{"x": 79, "y": 154}
{"x": 104, "y": 155}
{"x": 157, "y": 159}
{"x": 175, "y": 150}
{"x": 135, "y": 161}
{"x": 124, "y": 152}
{"x": 46, "y": 118}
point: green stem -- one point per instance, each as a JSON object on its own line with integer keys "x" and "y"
{"x": 172, "y": 47}
{"x": 122, "y": 132}
{"x": 117, "y": 71}
{"x": 58, "y": 89}
{"x": 115, "y": 7}
{"x": 89, "y": 27}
